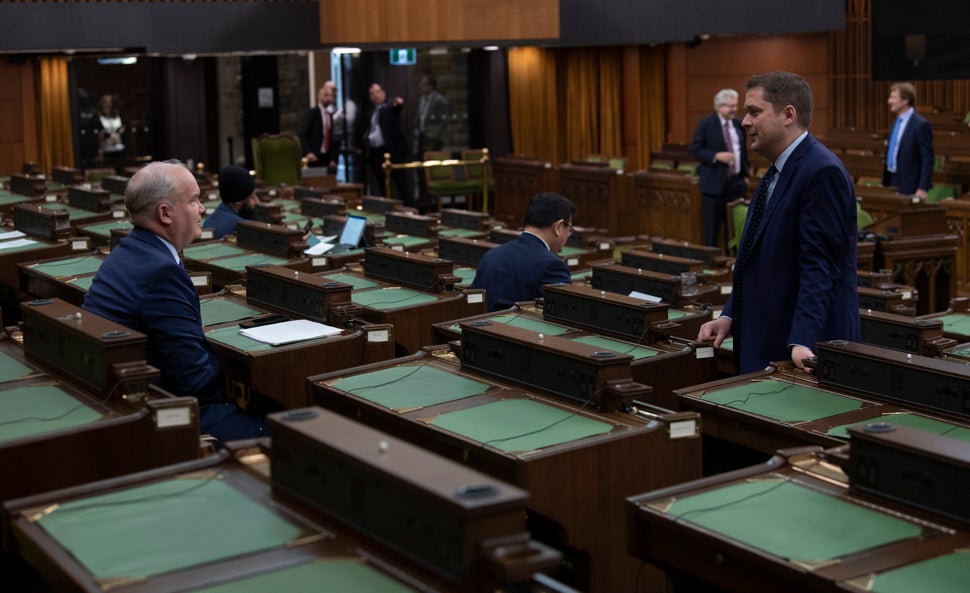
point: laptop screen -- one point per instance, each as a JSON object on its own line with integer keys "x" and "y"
{"x": 353, "y": 230}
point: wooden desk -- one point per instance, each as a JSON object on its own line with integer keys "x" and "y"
{"x": 663, "y": 204}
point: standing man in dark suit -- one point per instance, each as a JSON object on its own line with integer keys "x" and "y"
{"x": 142, "y": 285}
{"x": 516, "y": 271}
{"x": 795, "y": 276}
{"x": 719, "y": 145}
{"x": 385, "y": 135}
{"x": 316, "y": 131}
{"x": 909, "y": 150}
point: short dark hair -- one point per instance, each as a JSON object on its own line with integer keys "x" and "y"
{"x": 906, "y": 92}
{"x": 784, "y": 88}
{"x": 545, "y": 208}
{"x": 431, "y": 80}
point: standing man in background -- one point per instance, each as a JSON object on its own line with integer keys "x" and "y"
{"x": 720, "y": 146}
{"x": 909, "y": 153}
{"x": 385, "y": 135}
{"x": 430, "y": 123}
{"x": 316, "y": 131}
{"x": 795, "y": 275}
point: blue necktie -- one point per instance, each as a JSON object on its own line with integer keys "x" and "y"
{"x": 757, "y": 211}
{"x": 891, "y": 151}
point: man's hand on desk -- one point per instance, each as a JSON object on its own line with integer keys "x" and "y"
{"x": 798, "y": 356}
{"x": 716, "y": 330}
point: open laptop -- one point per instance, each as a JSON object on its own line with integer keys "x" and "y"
{"x": 351, "y": 234}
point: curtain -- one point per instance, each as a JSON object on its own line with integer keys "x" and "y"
{"x": 593, "y": 122}
{"x": 55, "y": 144}
{"x": 652, "y": 131}
{"x": 534, "y": 102}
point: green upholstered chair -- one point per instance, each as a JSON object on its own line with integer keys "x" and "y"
{"x": 737, "y": 212}
{"x": 277, "y": 158}
{"x": 863, "y": 218}
{"x": 475, "y": 175}
{"x": 444, "y": 181}
{"x": 689, "y": 169}
{"x": 617, "y": 163}
{"x": 938, "y": 193}
{"x": 596, "y": 158}
{"x": 661, "y": 165}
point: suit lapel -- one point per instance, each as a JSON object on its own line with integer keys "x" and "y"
{"x": 780, "y": 193}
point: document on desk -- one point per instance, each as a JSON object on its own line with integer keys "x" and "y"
{"x": 644, "y": 296}
{"x": 16, "y": 243}
{"x": 11, "y": 235}
{"x": 323, "y": 245}
{"x": 287, "y": 332}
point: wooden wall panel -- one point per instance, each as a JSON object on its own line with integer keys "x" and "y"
{"x": 345, "y": 22}
{"x": 18, "y": 128}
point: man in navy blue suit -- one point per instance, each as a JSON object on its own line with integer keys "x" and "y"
{"x": 719, "y": 146}
{"x": 909, "y": 150}
{"x": 795, "y": 275}
{"x": 142, "y": 285}
{"x": 385, "y": 135}
{"x": 516, "y": 271}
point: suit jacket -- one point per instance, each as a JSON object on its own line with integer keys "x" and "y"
{"x": 142, "y": 287}
{"x": 800, "y": 277}
{"x": 709, "y": 140}
{"x": 914, "y": 161}
{"x": 311, "y": 136}
{"x": 389, "y": 120}
{"x": 222, "y": 221}
{"x": 517, "y": 270}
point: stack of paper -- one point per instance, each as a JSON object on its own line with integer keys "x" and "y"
{"x": 287, "y": 332}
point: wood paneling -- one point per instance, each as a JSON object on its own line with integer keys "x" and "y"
{"x": 426, "y": 21}
{"x": 18, "y": 128}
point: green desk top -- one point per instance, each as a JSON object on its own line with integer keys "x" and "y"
{"x": 218, "y": 310}
{"x": 77, "y": 214}
{"x": 12, "y": 369}
{"x": 336, "y": 575}
{"x": 405, "y": 240}
{"x": 21, "y": 248}
{"x": 467, "y": 275}
{"x": 728, "y": 343}
{"x": 567, "y": 251}
{"x": 230, "y": 336}
{"x": 456, "y": 232}
{"x": 36, "y": 409}
{"x": 82, "y": 282}
{"x": 957, "y": 323}
{"x": 238, "y": 263}
{"x": 673, "y": 314}
{"x": 211, "y": 250}
{"x": 294, "y": 218}
{"x": 520, "y": 426}
{"x": 637, "y": 352}
{"x": 165, "y": 526}
{"x": 357, "y": 282}
{"x": 529, "y": 323}
{"x": 964, "y": 352}
{"x": 782, "y": 401}
{"x": 7, "y": 198}
{"x": 374, "y": 217}
{"x": 70, "y": 266}
{"x": 405, "y": 387}
{"x": 949, "y": 573}
{"x": 791, "y": 521}
{"x": 937, "y": 427}
{"x": 391, "y": 298}
{"x": 578, "y": 276}
{"x": 103, "y": 229}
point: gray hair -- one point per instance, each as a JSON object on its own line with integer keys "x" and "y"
{"x": 722, "y": 97}
{"x": 151, "y": 185}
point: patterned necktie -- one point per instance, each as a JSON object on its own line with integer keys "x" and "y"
{"x": 891, "y": 150}
{"x": 757, "y": 211}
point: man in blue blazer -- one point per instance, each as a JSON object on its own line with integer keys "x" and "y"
{"x": 516, "y": 271}
{"x": 385, "y": 135}
{"x": 795, "y": 276}
{"x": 142, "y": 285}
{"x": 720, "y": 147}
{"x": 909, "y": 150}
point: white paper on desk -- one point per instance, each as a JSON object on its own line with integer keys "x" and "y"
{"x": 11, "y": 235}
{"x": 644, "y": 296}
{"x": 16, "y": 243}
{"x": 287, "y": 332}
{"x": 318, "y": 249}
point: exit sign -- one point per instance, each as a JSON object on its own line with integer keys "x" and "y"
{"x": 403, "y": 57}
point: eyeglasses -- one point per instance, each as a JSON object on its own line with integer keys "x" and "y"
{"x": 569, "y": 226}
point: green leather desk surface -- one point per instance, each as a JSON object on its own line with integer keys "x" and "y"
{"x": 32, "y": 245}
{"x": 217, "y": 310}
{"x": 165, "y": 526}
{"x": 525, "y": 322}
{"x": 637, "y": 352}
{"x": 467, "y": 275}
{"x": 567, "y": 251}
{"x": 36, "y": 409}
{"x": 70, "y": 266}
{"x": 355, "y": 281}
{"x": 580, "y": 277}
{"x": 77, "y": 214}
{"x": 405, "y": 240}
{"x": 211, "y": 250}
{"x": 7, "y": 197}
{"x": 456, "y": 232}
{"x": 103, "y": 229}
{"x": 12, "y": 369}
{"x": 82, "y": 282}
{"x": 230, "y": 336}
{"x": 238, "y": 263}
{"x": 391, "y": 298}
{"x": 406, "y": 387}
{"x": 337, "y": 575}
{"x": 782, "y": 518}
{"x": 937, "y": 427}
{"x": 949, "y": 573}
{"x": 782, "y": 401}
{"x": 957, "y": 323}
